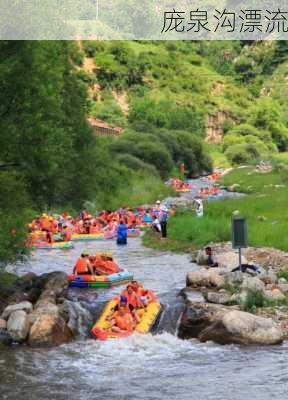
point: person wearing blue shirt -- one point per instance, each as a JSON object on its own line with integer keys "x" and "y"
{"x": 122, "y": 233}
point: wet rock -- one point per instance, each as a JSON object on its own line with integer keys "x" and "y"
{"x": 24, "y": 305}
{"x": 47, "y": 296}
{"x": 252, "y": 283}
{"x": 77, "y": 317}
{"x": 5, "y": 338}
{"x": 57, "y": 281}
{"x": 18, "y": 325}
{"x": 3, "y": 324}
{"x": 197, "y": 317}
{"x": 243, "y": 328}
{"x": 49, "y": 330}
{"x": 217, "y": 297}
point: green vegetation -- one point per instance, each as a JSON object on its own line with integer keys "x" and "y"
{"x": 264, "y": 208}
{"x": 162, "y": 94}
{"x": 253, "y": 300}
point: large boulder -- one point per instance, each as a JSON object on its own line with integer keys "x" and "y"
{"x": 49, "y": 330}
{"x": 18, "y": 325}
{"x": 24, "y": 305}
{"x": 229, "y": 260}
{"x": 243, "y": 328}
{"x": 201, "y": 258}
{"x": 54, "y": 281}
{"x": 77, "y": 317}
{"x": 252, "y": 283}
{"x": 198, "y": 316}
{"x": 221, "y": 297}
{"x": 233, "y": 278}
{"x": 206, "y": 278}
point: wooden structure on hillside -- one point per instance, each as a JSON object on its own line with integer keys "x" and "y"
{"x": 101, "y": 128}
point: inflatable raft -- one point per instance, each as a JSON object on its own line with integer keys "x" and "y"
{"x": 54, "y": 246}
{"x": 102, "y": 328}
{"x": 133, "y": 232}
{"x": 77, "y": 237}
{"x": 100, "y": 281}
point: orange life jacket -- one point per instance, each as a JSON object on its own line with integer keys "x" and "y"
{"x": 124, "y": 322}
{"x": 45, "y": 224}
{"x": 81, "y": 266}
{"x": 133, "y": 299}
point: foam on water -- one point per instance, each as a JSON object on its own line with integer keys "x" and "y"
{"x": 150, "y": 367}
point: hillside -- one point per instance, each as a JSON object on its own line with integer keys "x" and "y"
{"x": 162, "y": 103}
{"x": 231, "y": 93}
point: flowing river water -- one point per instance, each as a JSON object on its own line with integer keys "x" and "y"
{"x": 148, "y": 367}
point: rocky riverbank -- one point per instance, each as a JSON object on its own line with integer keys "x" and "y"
{"x": 248, "y": 308}
{"x": 36, "y": 310}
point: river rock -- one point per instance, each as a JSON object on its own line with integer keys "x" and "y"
{"x": 24, "y": 305}
{"x": 274, "y": 294}
{"x": 3, "y": 324}
{"x": 47, "y": 296}
{"x": 268, "y": 277}
{"x": 229, "y": 260}
{"x": 252, "y": 283}
{"x": 233, "y": 188}
{"x": 217, "y": 297}
{"x": 77, "y": 317}
{"x": 5, "y": 338}
{"x": 197, "y": 317}
{"x": 243, "y": 328}
{"x": 239, "y": 298}
{"x": 233, "y": 278}
{"x": 18, "y": 325}
{"x": 207, "y": 278}
{"x": 49, "y": 330}
{"x": 55, "y": 281}
{"x": 201, "y": 258}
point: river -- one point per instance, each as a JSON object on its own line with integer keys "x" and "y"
{"x": 148, "y": 367}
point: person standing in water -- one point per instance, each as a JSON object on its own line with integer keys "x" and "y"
{"x": 122, "y": 233}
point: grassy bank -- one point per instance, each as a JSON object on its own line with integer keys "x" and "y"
{"x": 265, "y": 209}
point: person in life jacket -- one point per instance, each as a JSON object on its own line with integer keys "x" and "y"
{"x": 83, "y": 266}
{"x": 66, "y": 234}
{"x": 122, "y": 321}
{"x": 123, "y": 302}
{"x": 132, "y": 297}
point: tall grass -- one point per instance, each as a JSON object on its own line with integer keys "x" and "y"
{"x": 268, "y": 201}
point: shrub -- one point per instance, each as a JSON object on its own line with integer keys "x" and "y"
{"x": 242, "y": 153}
{"x": 280, "y": 135}
{"x": 231, "y": 140}
{"x": 253, "y": 300}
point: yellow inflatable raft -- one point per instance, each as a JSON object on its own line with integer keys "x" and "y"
{"x": 102, "y": 328}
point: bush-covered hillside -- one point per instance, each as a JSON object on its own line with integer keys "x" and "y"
{"x": 172, "y": 87}
{"x": 171, "y": 99}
